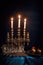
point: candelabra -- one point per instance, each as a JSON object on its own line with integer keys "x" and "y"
{"x": 17, "y": 44}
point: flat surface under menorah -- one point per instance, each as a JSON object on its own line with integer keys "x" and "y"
{"x": 17, "y": 54}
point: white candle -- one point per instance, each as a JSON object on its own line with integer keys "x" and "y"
{"x": 19, "y": 19}
{"x": 24, "y": 28}
{"x": 12, "y": 22}
{"x": 25, "y": 23}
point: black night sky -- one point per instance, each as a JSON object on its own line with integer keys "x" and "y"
{"x": 32, "y": 9}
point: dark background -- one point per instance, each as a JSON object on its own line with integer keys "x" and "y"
{"x": 32, "y": 9}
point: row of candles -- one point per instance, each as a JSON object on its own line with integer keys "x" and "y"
{"x": 24, "y": 31}
{"x": 19, "y": 19}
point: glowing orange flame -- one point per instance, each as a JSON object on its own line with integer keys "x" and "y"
{"x": 12, "y": 19}
{"x": 39, "y": 50}
{"x": 19, "y": 16}
{"x": 33, "y": 49}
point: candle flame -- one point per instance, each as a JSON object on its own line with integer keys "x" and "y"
{"x": 25, "y": 19}
{"x": 19, "y": 16}
{"x": 12, "y": 19}
{"x": 39, "y": 50}
{"x": 33, "y": 49}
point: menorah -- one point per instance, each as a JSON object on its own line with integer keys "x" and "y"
{"x": 16, "y": 45}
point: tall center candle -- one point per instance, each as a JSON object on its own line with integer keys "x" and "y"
{"x": 19, "y": 19}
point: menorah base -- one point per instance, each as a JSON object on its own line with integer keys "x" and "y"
{"x": 13, "y": 51}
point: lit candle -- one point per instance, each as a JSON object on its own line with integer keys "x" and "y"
{"x": 25, "y": 23}
{"x": 19, "y": 19}
{"x": 12, "y": 22}
{"x": 24, "y": 27}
